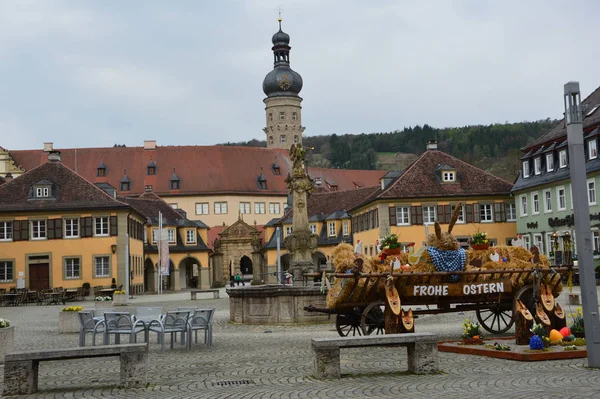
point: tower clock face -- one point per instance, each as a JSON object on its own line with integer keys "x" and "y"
{"x": 284, "y": 82}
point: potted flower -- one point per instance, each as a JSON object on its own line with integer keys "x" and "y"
{"x": 7, "y": 338}
{"x": 103, "y": 302}
{"x": 68, "y": 319}
{"x": 479, "y": 241}
{"x": 119, "y": 298}
{"x": 472, "y": 334}
{"x": 539, "y": 340}
{"x": 577, "y": 328}
{"x": 390, "y": 245}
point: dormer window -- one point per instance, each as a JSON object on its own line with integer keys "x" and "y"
{"x": 276, "y": 169}
{"x": 151, "y": 168}
{"x": 175, "y": 182}
{"x": 525, "y": 168}
{"x": 261, "y": 180}
{"x": 592, "y": 149}
{"x": 42, "y": 192}
{"x": 537, "y": 165}
{"x": 449, "y": 176}
{"x": 101, "y": 171}
{"x": 125, "y": 183}
{"x": 549, "y": 162}
{"x": 562, "y": 159}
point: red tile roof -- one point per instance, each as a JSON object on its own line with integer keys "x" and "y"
{"x": 201, "y": 169}
{"x": 69, "y": 191}
{"x": 420, "y": 179}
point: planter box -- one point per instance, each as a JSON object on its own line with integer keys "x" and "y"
{"x": 103, "y": 304}
{"x": 119, "y": 300}
{"x": 480, "y": 247}
{"x": 7, "y": 341}
{"x": 68, "y": 322}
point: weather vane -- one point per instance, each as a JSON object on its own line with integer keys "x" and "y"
{"x": 279, "y": 19}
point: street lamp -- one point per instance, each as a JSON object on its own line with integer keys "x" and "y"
{"x": 568, "y": 258}
{"x": 589, "y": 295}
{"x": 555, "y": 247}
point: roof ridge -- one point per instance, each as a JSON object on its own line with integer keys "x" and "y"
{"x": 405, "y": 172}
{"x": 473, "y": 166}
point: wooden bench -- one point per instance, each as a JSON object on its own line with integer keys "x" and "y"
{"x": 21, "y": 368}
{"x": 215, "y": 293}
{"x": 422, "y": 351}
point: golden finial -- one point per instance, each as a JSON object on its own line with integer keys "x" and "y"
{"x": 279, "y": 19}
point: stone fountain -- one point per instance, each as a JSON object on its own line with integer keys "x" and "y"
{"x": 277, "y": 304}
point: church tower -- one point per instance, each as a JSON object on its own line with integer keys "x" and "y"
{"x": 283, "y": 104}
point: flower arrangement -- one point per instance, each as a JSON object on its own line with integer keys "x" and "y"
{"x": 103, "y": 299}
{"x": 4, "y": 323}
{"x": 72, "y": 309}
{"x": 471, "y": 330}
{"x": 577, "y": 322}
{"x": 538, "y": 329}
{"x": 389, "y": 242}
{"x": 479, "y": 238}
{"x": 117, "y": 292}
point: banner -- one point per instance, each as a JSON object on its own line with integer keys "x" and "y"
{"x": 164, "y": 252}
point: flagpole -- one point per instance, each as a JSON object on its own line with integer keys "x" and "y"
{"x": 159, "y": 242}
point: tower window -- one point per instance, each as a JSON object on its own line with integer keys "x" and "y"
{"x": 271, "y": 141}
{"x": 271, "y": 117}
{"x": 283, "y": 138}
{"x": 294, "y": 116}
{"x": 296, "y": 138}
{"x": 282, "y": 116}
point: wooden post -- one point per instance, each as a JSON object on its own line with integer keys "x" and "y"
{"x": 523, "y": 323}
{"x": 392, "y": 322}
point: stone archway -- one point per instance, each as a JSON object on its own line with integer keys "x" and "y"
{"x": 189, "y": 272}
{"x": 239, "y": 241}
{"x": 246, "y": 267}
{"x": 319, "y": 260}
{"x": 149, "y": 276}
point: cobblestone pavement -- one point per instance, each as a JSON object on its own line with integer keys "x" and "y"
{"x": 275, "y": 362}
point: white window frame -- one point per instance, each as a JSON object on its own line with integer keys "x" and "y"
{"x": 548, "y": 241}
{"x": 281, "y": 115}
{"x": 102, "y": 265}
{"x": 294, "y": 116}
{"x": 202, "y": 208}
{"x": 511, "y": 212}
{"x": 259, "y": 208}
{"x": 592, "y": 149}
{"x": 274, "y": 208}
{"x": 171, "y": 236}
{"x": 537, "y": 165}
{"x": 313, "y": 228}
{"x": 535, "y": 203}
{"x": 402, "y": 216}
{"x": 5, "y": 266}
{"x": 71, "y": 227}
{"x": 428, "y": 215}
{"x": 331, "y": 229}
{"x": 449, "y": 176}
{"x": 154, "y": 236}
{"x": 40, "y": 231}
{"x": 245, "y": 208}
{"x": 549, "y": 162}
{"x": 221, "y": 208}
{"x": 288, "y": 230}
{"x": 538, "y": 241}
{"x": 526, "y": 241}
{"x": 525, "y": 169}
{"x": 563, "y": 206}
{"x": 596, "y": 241}
{"x": 486, "y": 213}
{"x": 42, "y": 192}
{"x": 562, "y": 159}
{"x": 346, "y": 228}
{"x": 524, "y": 205}
{"x": 6, "y": 230}
{"x": 103, "y": 227}
{"x": 283, "y": 138}
{"x": 70, "y": 274}
{"x": 190, "y": 236}
{"x": 591, "y": 192}
{"x": 547, "y": 201}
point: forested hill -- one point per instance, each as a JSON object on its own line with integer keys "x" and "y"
{"x": 494, "y": 148}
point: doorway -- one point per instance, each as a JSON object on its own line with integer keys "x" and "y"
{"x": 246, "y": 266}
{"x": 149, "y": 276}
{"x": 39, "y": 276}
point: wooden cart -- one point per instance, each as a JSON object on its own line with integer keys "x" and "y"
{"x": 489, "y": 293}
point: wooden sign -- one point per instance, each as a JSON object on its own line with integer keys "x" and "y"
{"x": 458, "y": 289}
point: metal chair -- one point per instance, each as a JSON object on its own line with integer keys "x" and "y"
{"x": 174, "y": 322}
{"x": 118, "y": 323}
{"x": 89, "y": 324}
{"x": 202, "y": 320}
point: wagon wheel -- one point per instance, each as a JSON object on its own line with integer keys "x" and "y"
{"x": 346, "y": 324}
{"x": 496, "y": 319}
{"x": 526, "y": 296}
{"x": 372, "y": 319}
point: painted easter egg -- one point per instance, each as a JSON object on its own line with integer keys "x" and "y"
{"x": 536, "y": 343}
{"x": 565, "y": 331}
{"x": 555, "y": 336}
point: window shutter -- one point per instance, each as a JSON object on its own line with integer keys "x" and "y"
{"x": 499, "y": 212}
{"x": 469, "y": 213}
{"x": 366, "y": 220}
{"x": 441, "y": 216}
{"x": 50, "y": 228}
{"x": 377, "y": 217}
{"x": 392, "y": 212}
{"x": 58, "y": 228}
{"x": 114, "y": 230}
{"x": 416, "y": 214}
{"x": 476, "y": 214}
{"x": 86, "y": 226}
{"x": 16, "y": 225}
{"x": 24, "y": 230}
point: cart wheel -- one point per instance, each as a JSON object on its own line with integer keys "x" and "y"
{"x": 525, "y": 295}
{"x": 346, "y": 324}
{"x": 497, "y": 319}
{"x": 372, "y": 319}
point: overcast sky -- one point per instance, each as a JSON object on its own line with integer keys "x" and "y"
{"x": 93, "y": 73}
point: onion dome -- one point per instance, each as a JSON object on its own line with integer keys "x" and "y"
{"x": 282, "y": 80}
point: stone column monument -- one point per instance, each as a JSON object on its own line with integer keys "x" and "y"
{"x": 301, "y": 242}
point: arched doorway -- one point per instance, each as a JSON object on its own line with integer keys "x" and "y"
{"x": 168, "y": 280}
{"x": 246, "y": 267}
{"x": 189, "y": 273}
{"x": 319, "y": 260}
{"x": 149, "y": 276}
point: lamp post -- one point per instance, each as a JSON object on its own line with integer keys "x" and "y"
{"x": 555, "y": 248}
{"x": 589, "y": 295}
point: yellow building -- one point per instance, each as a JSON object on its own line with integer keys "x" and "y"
{"x": 59, "y": 230}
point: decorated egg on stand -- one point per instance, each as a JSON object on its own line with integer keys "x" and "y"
{"x": 565, "y": 331}
{"x": 536, "y": 343}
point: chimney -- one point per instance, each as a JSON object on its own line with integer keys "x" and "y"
{"x": 149, "y": 144}
{"x": 48, "y": 147}
{"x": 432, "y": 145}
{"x": 148, "y": 189}
{"x": 54, "y": 156}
